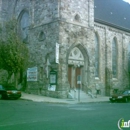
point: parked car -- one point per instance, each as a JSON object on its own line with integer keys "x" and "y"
{"x": 121, "y": 96}
{"x": 7, "y": 91}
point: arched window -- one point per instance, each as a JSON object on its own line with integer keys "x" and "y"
{"x": 129, "y": 57}
{"x": 96, "y": 56}
{"x": 114, "y": 58}
{"x": 24, "y": 25}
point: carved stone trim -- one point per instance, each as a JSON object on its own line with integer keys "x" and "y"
{"x": 76, "y": 57}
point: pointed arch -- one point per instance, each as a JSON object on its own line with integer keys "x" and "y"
{"x": 129, "y": 47}
{"x": 78, "y": 65}
{"x": 129, "y": 57}
{"x": 114, "y": 57}
{"x": 23, "y": 24}
{"x": 82, "y": 49}
{"x": 96, "y": 55}
{"x": 76, "y": 57}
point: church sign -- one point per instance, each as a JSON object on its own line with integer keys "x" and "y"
{"x": 57, "y": 53}
{"x": 52, "y": 80}
{"x": 32, "y": 74}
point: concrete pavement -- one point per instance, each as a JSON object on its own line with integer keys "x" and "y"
{"x": 86, "y": 99}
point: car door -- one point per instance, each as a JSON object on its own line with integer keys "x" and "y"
{"x": 129, "y": 94}
{"x": 2, "y": 91}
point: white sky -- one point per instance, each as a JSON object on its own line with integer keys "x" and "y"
{"x": 127, "y": 1}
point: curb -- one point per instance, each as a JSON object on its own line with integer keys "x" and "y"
{"x": 64, "y": 102}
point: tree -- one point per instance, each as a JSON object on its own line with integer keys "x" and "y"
{"x": 13, "y": 52}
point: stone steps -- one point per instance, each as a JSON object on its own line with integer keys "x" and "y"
{"x": 75, "y": 94}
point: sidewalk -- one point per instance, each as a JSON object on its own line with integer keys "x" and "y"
{"x": 39, "y": 98}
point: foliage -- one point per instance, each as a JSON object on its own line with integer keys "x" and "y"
{"x": 13, "y": 52}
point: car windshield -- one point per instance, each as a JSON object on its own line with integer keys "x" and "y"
{"x": 1, "y": 87}
{"x": 10, "y": 87}
{"x": 125, "y": 92}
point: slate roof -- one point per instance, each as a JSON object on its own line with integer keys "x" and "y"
{"x": 115, "y": 13}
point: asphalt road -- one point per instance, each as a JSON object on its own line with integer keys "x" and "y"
{"x": 29, "y": 115}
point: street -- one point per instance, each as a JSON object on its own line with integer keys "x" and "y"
{"x": 29, "y": 115}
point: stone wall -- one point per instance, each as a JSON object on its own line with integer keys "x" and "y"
{"x": 106, "y": 35}
{"x": 77, "y": 12}
{"x": 40, "y": 11}
{"x": 40, "y": 49}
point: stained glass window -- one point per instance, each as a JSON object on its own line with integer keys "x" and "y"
{"x": 129, "y": 57}
{"x": 114, "y": 58}
{"x": 24, "y": 25}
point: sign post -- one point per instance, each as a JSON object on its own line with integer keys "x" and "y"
{"x": 79, "y": 82}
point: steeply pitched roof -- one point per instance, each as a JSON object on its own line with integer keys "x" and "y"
{"x": 113, "y": 12}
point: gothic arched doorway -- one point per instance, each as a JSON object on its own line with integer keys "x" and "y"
{"x": 77, "y": 67}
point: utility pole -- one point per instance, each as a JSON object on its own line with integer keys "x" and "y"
{"x": 79, "y": 82}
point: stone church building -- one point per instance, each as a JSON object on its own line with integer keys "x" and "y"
{"x": 73, "y": 43}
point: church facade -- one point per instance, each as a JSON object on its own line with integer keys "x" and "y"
{"x": 69, "y": 48}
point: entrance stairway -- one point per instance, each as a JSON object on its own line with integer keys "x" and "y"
{"x": 79, "y": 94}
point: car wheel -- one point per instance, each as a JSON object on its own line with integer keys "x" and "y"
{"x": 112, "y": 101}
{"x": 1, "y": 97}
{"x": 17, "y": 98}
{"x": 126, "y": 99}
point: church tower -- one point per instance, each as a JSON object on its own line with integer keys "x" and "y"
{"x": 76, "y": 27}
